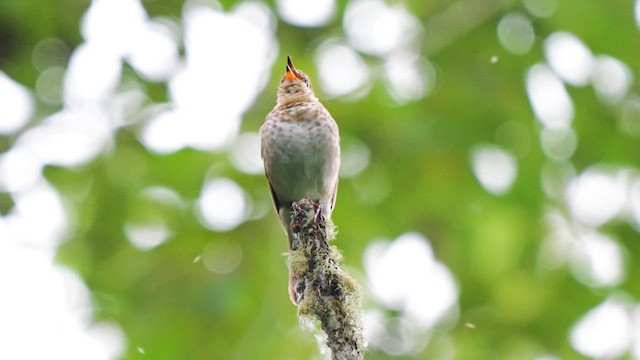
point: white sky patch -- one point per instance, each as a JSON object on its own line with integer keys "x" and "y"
{"x": 245, "y": 154}
{"x": 154, "y": 52}
{"x": 111, "y": 23}
{"x": 495, "y": 168}
{"x": 210, "y": 92}
{"x": 257, "y": 14}
{"x": 306, "y": 13}
{"x": 92, "y": 75}
{"x": 516, "y": 34}
{"x": 50, "y": 317}
{"x": 165, "y": 133}
{"x": 558, "y": 145}
{"x": 68, "y": 138}
{"x": 569, "y": 57}
{"x": 408, "y": 77}
{"x": 549, "y": 98}
{"x": 174, "y": 129}
{"x": 222, "y": 205}
{"x": 596, "y": 196}
{"x": 20, "y": 169}
{"x": 611, "y": 78}
{"x": 374, "y": 28}
{"x": 405, "y": 276}
{"x": 17, "y": 105}
{"x": 341, "y": 70}
{"x": 604, "y": 332}
{"x": 38, "y": 217}
{"x": 241, "y": 74}
{"x": 597, "y": 261}
{"x": 147, "y": 236}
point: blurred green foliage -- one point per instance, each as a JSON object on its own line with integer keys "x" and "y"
{"x": 170, "y": 305}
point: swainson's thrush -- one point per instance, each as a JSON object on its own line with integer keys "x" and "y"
{"x": 301, "y": 151}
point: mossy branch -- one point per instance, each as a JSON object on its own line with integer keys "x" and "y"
{"x": 325, "y": 293}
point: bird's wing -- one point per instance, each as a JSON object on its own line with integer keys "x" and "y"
{"x": 334, "y": 196}
{"x": 274, "y": 196}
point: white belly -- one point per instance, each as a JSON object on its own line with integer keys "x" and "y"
{"x": 303, "y": 159}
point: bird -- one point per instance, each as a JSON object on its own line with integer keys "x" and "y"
{"x": 300, "y": 149}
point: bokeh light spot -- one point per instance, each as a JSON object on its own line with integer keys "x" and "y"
{"x": 51, "y": 52}
{"x": 555, "y": 178}
{"x": 629, "y": 121}
{"x": 19, "y": 169}
{"x": 306, "y": 13}
{"x": 604, "y": 332}
{"x": 355, "y": 156}
{"x": 154, "y": 52}
{"x": 98, "y": 25}
{"x": 202, "y": 114}
{"x": 637, "y": 12}
{"x": 245, "y": 154}
{"x": 69, "y": 137}
{"x": 42, "y": 205}
{"x": 341, "y": 70}
{"x": 596, "y": 196}
{"x": 515, "y": 34}
{"x": 374, "y": 28}
{"x": 49, "y": 85}
{"x": 541, "y": 8}
{"x": 163, "y": 195}
{"x": 222, "y": 205}
{"x": 17, "y": 105}
{"x": 222, "y": 257}
{"x": 634, "y": 201}
{"x": 92, "y": 75}
{"x": 404, "y": 275}
{"x": 373, "y": 186}
{"x": 597, "y": 261}
{"x": 147, "y": 236}
{"x": 611, "y": 79}
{"x": 494, "y": 168}
{"x": 46, "y": 310}
{"x": 408, "y": 77}
{"x": 549, "y": 98}
{"x": 569, "y": 57}
{"x": 558, "y": 145}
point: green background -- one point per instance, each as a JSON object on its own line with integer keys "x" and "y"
{"x": 174, "y": 308}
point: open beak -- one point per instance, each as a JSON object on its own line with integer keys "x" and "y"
{"x": 291, "y": 73}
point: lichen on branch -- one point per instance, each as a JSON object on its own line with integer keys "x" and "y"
{"x": 326, "y": 294}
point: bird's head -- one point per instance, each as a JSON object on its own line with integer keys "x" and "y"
{"x": 295, "y": 86}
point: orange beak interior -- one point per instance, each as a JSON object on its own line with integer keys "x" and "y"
{"x": 291, "y": 73}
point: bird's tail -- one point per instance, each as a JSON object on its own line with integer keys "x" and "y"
{"x": 284, "y": 213}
